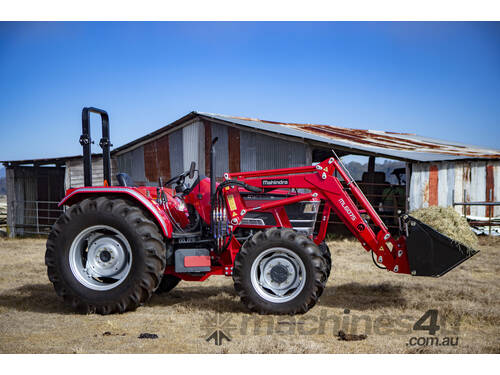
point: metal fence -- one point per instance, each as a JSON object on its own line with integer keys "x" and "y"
{"x": 490, "y": 222}
{"x": 33, "y": 217}
{"x": 388, "y": 200}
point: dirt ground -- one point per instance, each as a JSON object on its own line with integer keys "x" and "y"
{"x": 359, "y": 299}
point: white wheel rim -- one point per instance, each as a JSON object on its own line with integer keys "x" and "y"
{"x": 278, "y": 275}
{"x": 100, "y": 257}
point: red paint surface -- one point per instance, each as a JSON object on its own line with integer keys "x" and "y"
{"x": 433, "y": 185}
{"x": 197, "y": 261}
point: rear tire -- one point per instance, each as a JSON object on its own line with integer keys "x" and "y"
{"x": 105, "y": 256}
{"x": 279, "y": 271}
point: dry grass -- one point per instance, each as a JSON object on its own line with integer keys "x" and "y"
{"x": 34, "y": 320}
{"x": 449, "y": 222}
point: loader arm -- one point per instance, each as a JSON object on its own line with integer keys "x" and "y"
{"x": 323, "y": 184}
{"x": 433, "y": 254}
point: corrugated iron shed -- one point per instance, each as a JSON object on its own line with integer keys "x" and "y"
{"x": 403, "y": 146}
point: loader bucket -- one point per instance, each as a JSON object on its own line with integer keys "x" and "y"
{"x": 431, "y": 253}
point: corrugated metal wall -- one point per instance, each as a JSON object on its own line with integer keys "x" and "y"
{"x": 157, "y": 159}
{"x": 235, "y": 150}
{"x": 221, "y": 149}
{"x": 192, "y": 141}
{"x": 175, "y": 141}
{"x": 443, "y": 183}
{"x": 132, "y": 163}
{"x": 259, "y": 151}
{"x": 74, "y": 172}
{"x": 165, "y": 157}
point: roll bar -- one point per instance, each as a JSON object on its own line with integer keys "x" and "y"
{"x": 105, "y": 144}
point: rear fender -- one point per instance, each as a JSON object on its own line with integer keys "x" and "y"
{"x": 161, "y": 219}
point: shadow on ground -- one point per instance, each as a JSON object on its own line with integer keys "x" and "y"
{"x": 35, "y": 298}
{"x": 356, "y": 296}
{"x": 223, "y": 299}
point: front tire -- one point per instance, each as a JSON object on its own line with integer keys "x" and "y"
{"x": 279, "y": 271}
{"x": 105, "y": 256}
{"x": 325, "y": 252}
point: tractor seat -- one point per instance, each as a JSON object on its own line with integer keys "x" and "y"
{"x": 125, "y": 180}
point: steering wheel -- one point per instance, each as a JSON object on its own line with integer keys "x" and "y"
{"x": 179, "y": 180}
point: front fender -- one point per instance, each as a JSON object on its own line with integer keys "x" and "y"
{"x": 78, "y": 194}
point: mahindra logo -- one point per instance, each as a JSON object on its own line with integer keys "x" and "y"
{"x": 280, "y": 181}
{"x": 347, "y": 209}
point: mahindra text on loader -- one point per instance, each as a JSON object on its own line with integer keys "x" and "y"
{"x": 115, "y": 245}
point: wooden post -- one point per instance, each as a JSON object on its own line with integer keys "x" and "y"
{"x": 37, "y": 219}
{"x": 407, "y": 187}
{"x": 489, "y": 217}
{"x": 371, "y": 164}
{"x": 465, "y": 207}
{"x": 371, "y": 178}
{"x": 11, "y": 199}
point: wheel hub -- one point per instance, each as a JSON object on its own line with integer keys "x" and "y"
{"x": 105, "y": 255}
{"x": 279, "y": 273}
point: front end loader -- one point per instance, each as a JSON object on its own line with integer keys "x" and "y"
{"x": 115, "y": 245}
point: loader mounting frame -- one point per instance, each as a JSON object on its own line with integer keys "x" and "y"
{"x": 322, "y": 185}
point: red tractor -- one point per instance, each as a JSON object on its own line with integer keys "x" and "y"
{"x": 115, "y": 245}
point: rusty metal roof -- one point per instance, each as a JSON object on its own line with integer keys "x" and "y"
{"x": 403, "y": 146}
{"x": 43, "y": 161}
{"x": 390, "y": 144}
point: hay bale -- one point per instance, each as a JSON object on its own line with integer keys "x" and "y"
{"x": 449, "y": 222}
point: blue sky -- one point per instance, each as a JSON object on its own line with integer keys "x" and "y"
{"x": 435, "y": 79}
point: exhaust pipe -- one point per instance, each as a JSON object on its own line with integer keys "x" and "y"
{"x": 212, "y": 168}
{"x": 212, "y": 184}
